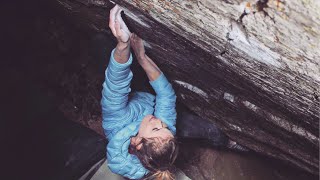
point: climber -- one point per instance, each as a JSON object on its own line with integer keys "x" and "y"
{"x": 147, "y": 128}
{"x": 140, "y": 127}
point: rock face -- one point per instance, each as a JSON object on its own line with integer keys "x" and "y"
{"x": 250, "y": 66}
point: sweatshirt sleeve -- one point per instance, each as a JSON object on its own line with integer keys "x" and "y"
{"x": 114, "y": 102}
{"x": 165, "y": 108}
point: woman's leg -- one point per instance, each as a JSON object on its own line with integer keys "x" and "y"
{"x": 192, "y": 126}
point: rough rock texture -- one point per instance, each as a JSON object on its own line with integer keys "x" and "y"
{"x": 199, "y": 162}
{"x": 251, "y": 66}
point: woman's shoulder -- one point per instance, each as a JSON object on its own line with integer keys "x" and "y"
{"x": 121, "y": 140}
{"x": 142, "y": 102}
{"x": 142, "y": 96}
{"x": 119, "y": 159}
{"x": 127, "y": 132}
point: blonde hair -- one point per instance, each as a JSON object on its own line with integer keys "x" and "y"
{"x": 158, "y": 157}
{"x": 161, "y": 175}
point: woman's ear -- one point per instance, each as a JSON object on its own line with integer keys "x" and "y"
{"x": 139, "y": 146}
{"x": 136, "y": 141}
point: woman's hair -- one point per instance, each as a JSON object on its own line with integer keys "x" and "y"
{"x": 157, "y": 155}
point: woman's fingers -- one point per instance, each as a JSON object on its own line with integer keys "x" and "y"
{"x": 112, "y": 19}
{"x": 122, "y": 23}
{"x": 118, "y": 29}
{"x": 118, "y": 20}
{"x": 133, "y": 39}
{"x": 118, "y": 15}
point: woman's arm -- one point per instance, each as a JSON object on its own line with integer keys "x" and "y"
{"x": 122, "y": 52}
{"x": 121, "y": 32}
{"x": 118, "y": 76}
{"x": 151, "y": 69}
{"x": 165, "y": 98}
{"x": 115, "y": 92}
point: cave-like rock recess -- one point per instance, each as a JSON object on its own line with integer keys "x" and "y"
{"x": 250, "y": 66}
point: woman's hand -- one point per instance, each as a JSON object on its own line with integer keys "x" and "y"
{"x": 118, "y": 27}
{"x": 121, "y": 32}
{"x": 151, "y": 69}
{"x": 138, "y": 47}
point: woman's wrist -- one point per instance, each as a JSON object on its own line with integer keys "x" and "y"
{"x": 121, "y": 46}
{"x": 141, "y": 58}
{"x": 122, "y": 52}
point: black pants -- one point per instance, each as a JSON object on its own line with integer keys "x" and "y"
{"x": 190, "y": 126}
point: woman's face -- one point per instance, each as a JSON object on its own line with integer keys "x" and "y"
{"x": 152, "y": 127}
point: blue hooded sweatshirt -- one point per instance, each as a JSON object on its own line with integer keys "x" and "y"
{"x": 122, "y": 114}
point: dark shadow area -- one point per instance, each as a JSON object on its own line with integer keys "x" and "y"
{"x": 40, "y": 142}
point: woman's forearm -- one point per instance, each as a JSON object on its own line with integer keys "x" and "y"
{"x": 122, "y": 52}
{"x": 151, "y": 69}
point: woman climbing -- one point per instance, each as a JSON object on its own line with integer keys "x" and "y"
{"x": 143, "y": 122}
{"x": 140, "y": 127}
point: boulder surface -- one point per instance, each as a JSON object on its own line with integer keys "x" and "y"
{"x": 252, "y": 67}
